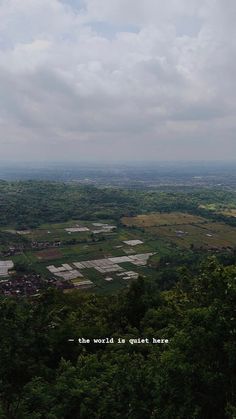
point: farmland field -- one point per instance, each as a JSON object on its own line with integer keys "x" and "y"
{"x": 49, "y": 254}
{"x": 185, "y": 230}
{"x": 157, "y": 219}
{"x": 160, "y": 234}
{"x": 87, "y": 246}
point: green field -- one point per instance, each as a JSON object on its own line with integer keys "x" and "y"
{"x": 185, "y": 230}
{"x": 160, "y": 233}
{"x": 86, "y": 247}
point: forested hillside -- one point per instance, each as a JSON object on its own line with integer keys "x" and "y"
{"x": 45, "y": 202}
{"x": 43, "y": 375}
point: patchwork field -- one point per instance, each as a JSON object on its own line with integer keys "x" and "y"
{"x": 185, "y": 230}
{"x": 53, "y": 251}
{"x": 103, "y": 255}
{"x": 74, "y": 229}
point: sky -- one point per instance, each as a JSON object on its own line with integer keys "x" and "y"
{"x": 127, "y": 80}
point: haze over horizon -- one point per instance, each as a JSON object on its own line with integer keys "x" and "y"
{"x": 100, "y": 80}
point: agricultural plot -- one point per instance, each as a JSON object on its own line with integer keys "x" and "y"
{"x": 106, "y": 261}
{"x": 185, "y": 230}
{"x": 49, "y": 254}
{"x": 109, "y": 260}
{"x": 62, "y": 232}
{"x": 159, "y": 219}
{"x": 103, "y": 266}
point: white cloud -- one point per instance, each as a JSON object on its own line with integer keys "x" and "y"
{"x": 163, "y": 89}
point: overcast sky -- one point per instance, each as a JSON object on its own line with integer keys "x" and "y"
{"x": 117, "y": 79}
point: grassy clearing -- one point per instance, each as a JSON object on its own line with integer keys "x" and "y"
{"x": 159, "y": 219}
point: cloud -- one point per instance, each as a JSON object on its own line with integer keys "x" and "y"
{"x": 117, "y": 79}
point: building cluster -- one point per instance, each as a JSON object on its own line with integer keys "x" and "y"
{"x": 5, "y": 266}
{"x": 22, "y": 285}
{"x": 133, "y": 242}
{"x": 12, "y": 251}
{"x": 99, "y": 228}
{"x": 33, "y": 284}
{"x": 77, "y": 229}
{"x": 44, "y": 245}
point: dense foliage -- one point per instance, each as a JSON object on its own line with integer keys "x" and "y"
{"x": 45, "y": 202}
{"x": 193, "y": 376}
